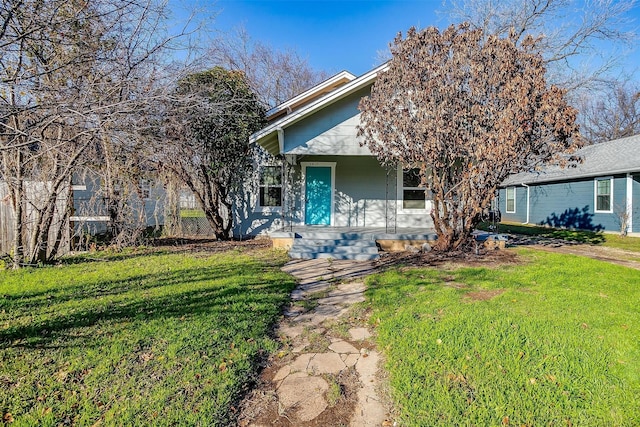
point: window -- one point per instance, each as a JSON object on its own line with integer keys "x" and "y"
{"x": 413, "y": 194}
{"x": 511, "y": 199}
{"x": 271, "y": 187}
{"x": 603, "y": 192}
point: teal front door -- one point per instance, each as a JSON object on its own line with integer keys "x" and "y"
{"x": 318, "y": 195}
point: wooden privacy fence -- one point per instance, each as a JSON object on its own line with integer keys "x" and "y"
{"x": 36, "y": 194}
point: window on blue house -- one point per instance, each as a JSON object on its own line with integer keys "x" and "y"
{"x": 604, "y": 191}
{"x": 511, "y": 199}
{"x": 271, "y": 187}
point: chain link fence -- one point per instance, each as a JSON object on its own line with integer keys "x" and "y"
{"x": 189, "y": 220}
{"x": 193, "y": 225}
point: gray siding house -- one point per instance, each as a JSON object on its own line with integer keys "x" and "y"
{"x": 322, "y": 177}
{"x": 598, "y": 194}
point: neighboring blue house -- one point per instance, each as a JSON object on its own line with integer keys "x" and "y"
{"x": 595, "y": 195}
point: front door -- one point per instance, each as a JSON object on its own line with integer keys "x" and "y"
{"x": 318, "y": 195}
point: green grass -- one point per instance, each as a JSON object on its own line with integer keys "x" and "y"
{"x": 619, "y": 242}
{"x": 139, "y": 339}
{"x": 556, "y": 343}
{"x": 581, "y": 236}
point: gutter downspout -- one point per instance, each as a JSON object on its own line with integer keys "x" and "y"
{"x": 527, "y": 187}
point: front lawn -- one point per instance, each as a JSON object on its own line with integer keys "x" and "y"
{"x": 553, "y": 341}
{"x": 140, "y": 339}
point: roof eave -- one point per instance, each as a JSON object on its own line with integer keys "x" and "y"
{"x": 342, "y": 75}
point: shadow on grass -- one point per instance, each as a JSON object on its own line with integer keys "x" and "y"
{"x": 232, "y": 305}
{"x": 167, "y": 245}
{"x": 593, "y": 237}
{"x": 34, "y": 300}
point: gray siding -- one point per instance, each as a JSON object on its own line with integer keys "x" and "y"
{"x": 567, "y": 204}
{"x": 331, "y": 130}
{"x": 360, "y": 192}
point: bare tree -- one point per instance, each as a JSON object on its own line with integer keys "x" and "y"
{"x": 71, "y": 72}
{"x": 580, "y": 40}
{"x": 274, "y": 75}
{"x": 612, "y": 113}
{"x": 203, "y": 140}
{"x": 469, "y": 110}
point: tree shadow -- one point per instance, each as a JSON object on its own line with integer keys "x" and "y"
{"x": 232, "y": 304}
{"x": 108, "y": 287}
{"x": 575, "y": 225}
{"x": 575, "y": 219}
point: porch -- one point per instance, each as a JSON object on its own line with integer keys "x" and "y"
{"x": 359, "y": 243}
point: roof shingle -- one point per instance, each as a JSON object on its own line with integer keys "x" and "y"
{"x": 607, "y": 158}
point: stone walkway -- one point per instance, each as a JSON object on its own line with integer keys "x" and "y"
{"x": 308, "y": 384}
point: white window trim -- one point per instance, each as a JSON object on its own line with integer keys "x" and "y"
{"x": 506, "y": 199}
{"x": 269, "y": 209}
{"x": 595, "y": 194}
{"x": 400, "y": 195}
{"x": 303, "y": 202}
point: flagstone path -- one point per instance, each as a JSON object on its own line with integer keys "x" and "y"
{"x": 323, "y": 364}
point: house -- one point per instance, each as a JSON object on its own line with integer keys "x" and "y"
{"x": 601, "y": 194}
{"x": 81, "y": 212}
{"x": 140, "y": 206}
{"x": 321, "y": 180}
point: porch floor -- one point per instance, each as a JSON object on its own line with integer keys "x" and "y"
{"x": 365, "y": 233}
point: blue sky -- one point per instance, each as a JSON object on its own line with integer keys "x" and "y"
{"x": 335, "y": 35}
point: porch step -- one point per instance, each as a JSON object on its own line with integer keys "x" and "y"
{"x": 335, "y": 246}
{"x": 333, "y": 235}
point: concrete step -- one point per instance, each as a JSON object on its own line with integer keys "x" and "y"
{"x": 336, "y": 247}
{"x": 332, "y": 235}
{"x": 371, "y": 249}
{"x": 316, "y": 255}
{"x": 332, "y": 242}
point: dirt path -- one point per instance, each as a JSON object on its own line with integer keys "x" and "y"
{"x": 327, "y": 373}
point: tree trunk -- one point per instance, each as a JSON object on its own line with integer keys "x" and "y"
{"x": 453, "y": 232}
{"x": 17, "y": 193}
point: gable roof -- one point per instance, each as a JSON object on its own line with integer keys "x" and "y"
{"x": 268, "y": 138}
{"x": 607, "y": 158}
{"x": 310, "y": 94}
